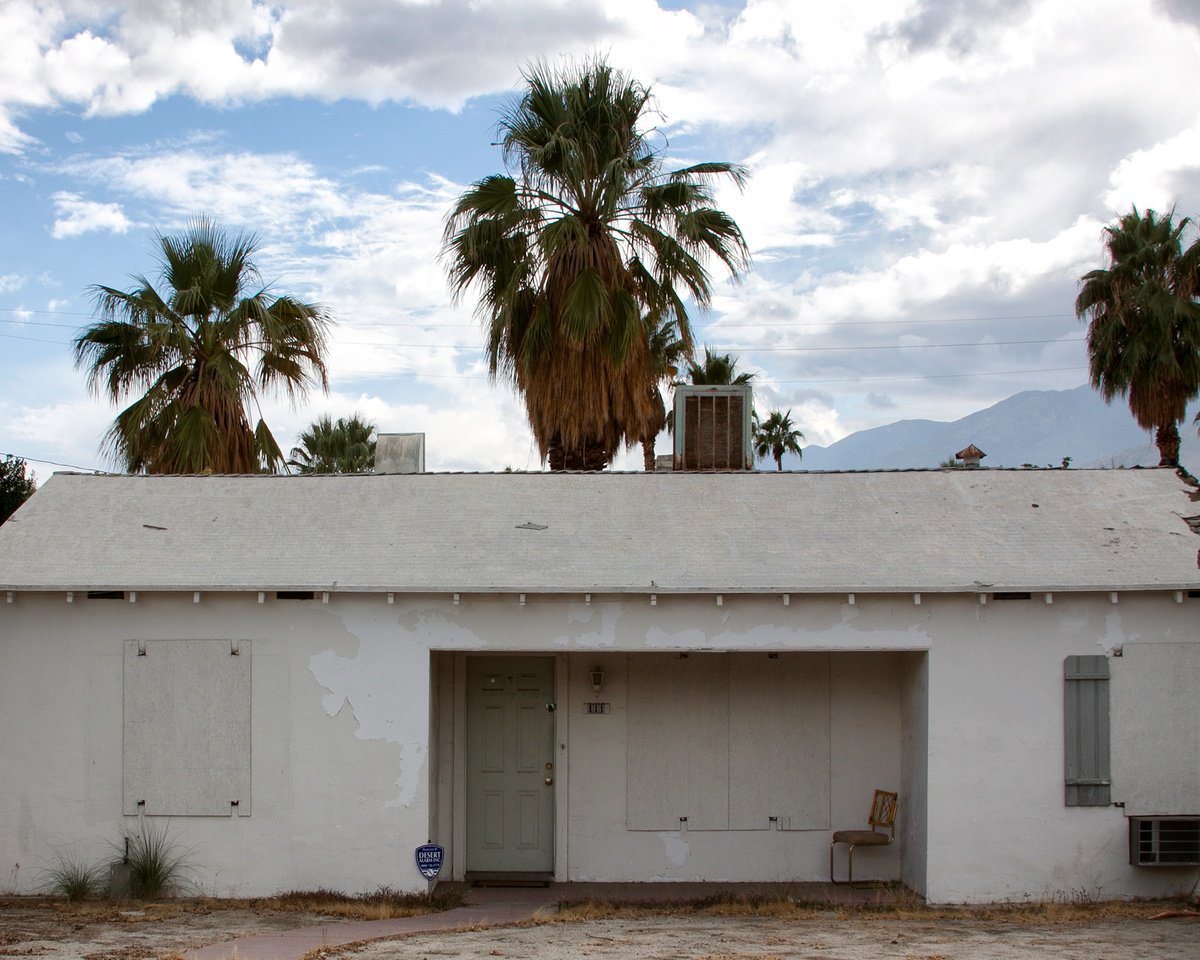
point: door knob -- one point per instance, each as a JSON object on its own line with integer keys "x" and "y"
{"x": 549, "y": 780}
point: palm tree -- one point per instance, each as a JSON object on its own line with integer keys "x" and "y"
{"x": 667, "y": 351}
{"x": 199, "y": 354}
{"x": 776, "y": 436}
{"x": 342, "y": 447}
{"x": 587, "y": 235}
{"x": 716, "y": 369}
{"x": 1143, "y": 338}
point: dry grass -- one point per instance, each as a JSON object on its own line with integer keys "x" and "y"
{"x": 381, "y": 904}
{"x": 886, "y": 907}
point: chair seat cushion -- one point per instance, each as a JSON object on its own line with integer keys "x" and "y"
{"x": 861, "y": 837}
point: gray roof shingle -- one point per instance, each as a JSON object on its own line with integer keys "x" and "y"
{"x": 922, "y": 531}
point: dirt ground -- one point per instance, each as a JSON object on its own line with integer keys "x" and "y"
{"x": 814, "y": 938}
{"x": 54, "y": 930}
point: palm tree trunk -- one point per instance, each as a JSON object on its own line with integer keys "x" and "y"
{"x": 648, "y": 454}
{"x": 590, "y": 455}
{"x": 1167, "y": 439}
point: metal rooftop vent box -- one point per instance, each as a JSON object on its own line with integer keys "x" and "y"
{"x": 713, "y": 427}
{"x": 1164, "y": 841}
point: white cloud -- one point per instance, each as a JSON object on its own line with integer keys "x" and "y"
{"x": 11, "y": 282}
{"x": 75, "y": 216}
{"x": 1152, "y": 177}
{"x": 913, "y": 161}
{"x": 119, "y": 59}
{"x": 65, "y": 432}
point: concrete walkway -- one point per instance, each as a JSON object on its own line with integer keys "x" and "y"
{"x": 498, "y": 906}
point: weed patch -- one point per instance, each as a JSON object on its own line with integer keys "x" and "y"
{"x": 71, "y": 876}
{"x": 156, "y": 860}
{"x": 383, "y": 903}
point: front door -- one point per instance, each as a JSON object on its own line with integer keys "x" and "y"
{"x": 510, "y": 765}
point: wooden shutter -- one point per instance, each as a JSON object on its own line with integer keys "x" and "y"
{"x": 1086, "y": 731}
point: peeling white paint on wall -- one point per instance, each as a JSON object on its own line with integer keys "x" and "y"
{"x": 1114, "y": 638}
{"x": 788, "y": 635}
{"x": 604, "y": 635}
{"x": 388, "y": 697}
{"x": 675, "y": 848}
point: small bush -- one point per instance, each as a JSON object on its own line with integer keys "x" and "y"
{"x": 71, "y": 876}
{"x": 156, "y": 860}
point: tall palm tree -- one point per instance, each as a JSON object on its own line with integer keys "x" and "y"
{"x": 1143, "y": 337}
{"x": 342, "y": 447}
{"x": 667, "y": 351}
{"x": 584, "y": 237}
{"x": 716, "y": 369}
{"x": 199, "y": 353}
{"x": 776, "y": 436}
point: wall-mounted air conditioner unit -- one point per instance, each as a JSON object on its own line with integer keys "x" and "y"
{"x": 1164, "y": 841}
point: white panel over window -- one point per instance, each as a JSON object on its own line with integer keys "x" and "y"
{"x": 779, "y": 741}
{"x": 728, "y": 741}
{"x": 678, "y": 742}
{"x": 187, "y": 728}
{"x": 1156, "y": 728}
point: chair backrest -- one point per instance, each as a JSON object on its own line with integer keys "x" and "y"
{"x": 883, "y": 811}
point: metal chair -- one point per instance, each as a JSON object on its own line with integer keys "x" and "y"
{"x": 883, "y": 817}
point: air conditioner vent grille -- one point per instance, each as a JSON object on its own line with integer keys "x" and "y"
{"x": 1164, "y": 841}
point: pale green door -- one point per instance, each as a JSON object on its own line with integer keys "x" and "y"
{"x": 510, "y": 765}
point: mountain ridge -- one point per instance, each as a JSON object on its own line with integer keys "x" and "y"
{"x": 1032, "y": 428}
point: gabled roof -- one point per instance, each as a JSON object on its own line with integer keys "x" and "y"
{"x": 935, "y": 531}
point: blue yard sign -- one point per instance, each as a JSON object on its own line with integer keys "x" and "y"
{"x": 429, "y": 860}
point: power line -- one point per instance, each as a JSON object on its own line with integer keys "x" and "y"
{"x": 53, "y": 463}
{"x": 900, "y": 346}
{"x": 741, "y": 348}
{"x": 945, "y": 376}
{"x": 716, "y": 324}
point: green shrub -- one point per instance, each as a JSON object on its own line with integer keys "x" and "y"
{"x": 71, "y": 876}
{"x": 156, "y": 860}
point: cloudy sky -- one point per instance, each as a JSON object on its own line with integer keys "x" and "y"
{"x": 929, "y": 180}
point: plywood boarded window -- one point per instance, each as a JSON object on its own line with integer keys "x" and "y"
{"x": 1156, "y": 728}
{"x": 728, "y": 741}
{"x": 187, "y": 728}
{"x": 1086, "y": 730}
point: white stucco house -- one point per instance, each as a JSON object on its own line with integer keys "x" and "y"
{"x": 625, "y": 677}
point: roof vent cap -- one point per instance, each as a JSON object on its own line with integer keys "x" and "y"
{"x": 970, "y": 456}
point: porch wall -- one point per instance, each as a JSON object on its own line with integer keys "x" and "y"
{"x": 864, "y": 750}
{"x": 912, "y": 833}
{"x": 339, "y": 791}
{"x": 960, "y": 703}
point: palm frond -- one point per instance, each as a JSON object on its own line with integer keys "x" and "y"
{"x": 583, "y": 237}
{"x": 1143, "y": 337}
{"x": 189, "y": 352}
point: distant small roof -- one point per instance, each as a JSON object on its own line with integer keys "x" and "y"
{"x": 920, "y": 531}
{"x": 970, "y": 453}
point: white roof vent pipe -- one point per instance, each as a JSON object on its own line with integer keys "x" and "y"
{"x": 400, "y": 453}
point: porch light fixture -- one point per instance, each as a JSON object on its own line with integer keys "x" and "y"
{"x": 597, "y": 681}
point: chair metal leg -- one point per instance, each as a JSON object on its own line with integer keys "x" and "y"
{"x": 849, "y": 864}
